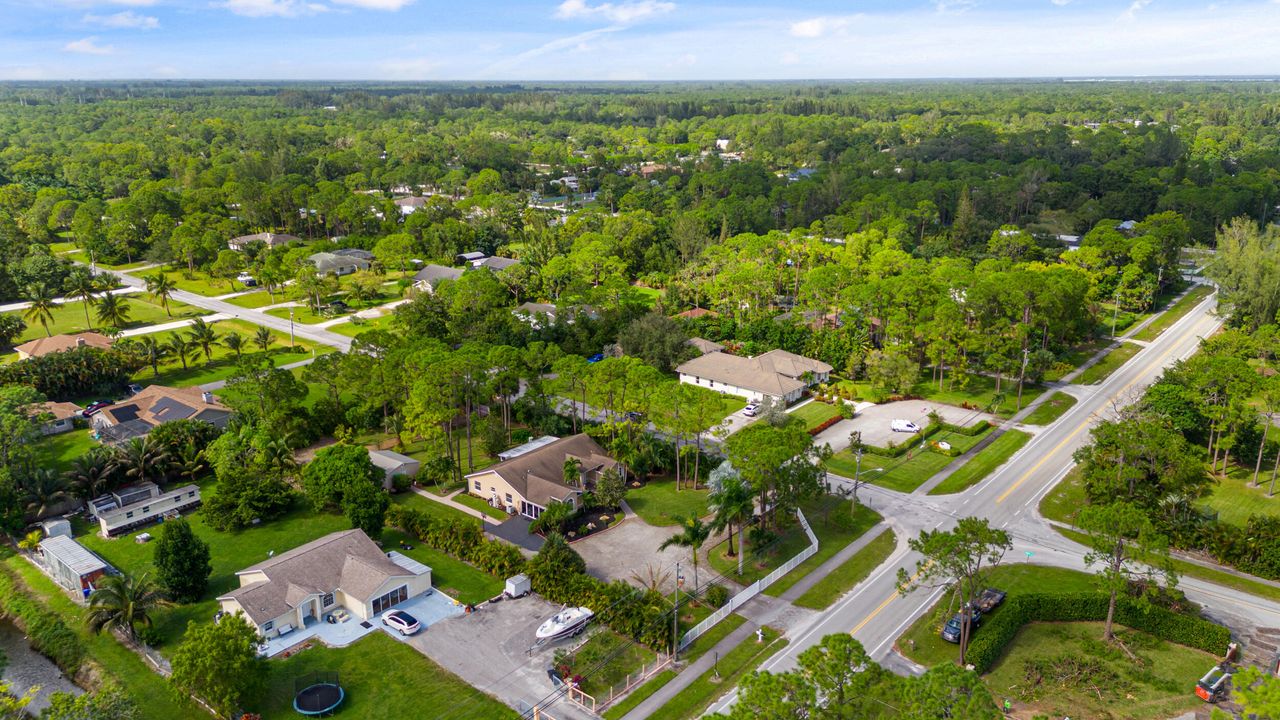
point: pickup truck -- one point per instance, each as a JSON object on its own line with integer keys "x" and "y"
{"x": 951, "y": 630}
{"x": 989, "y": 600}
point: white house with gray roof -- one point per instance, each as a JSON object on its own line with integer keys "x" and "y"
{"x": 343, "y": 569}
{"x": 777, "y": 374}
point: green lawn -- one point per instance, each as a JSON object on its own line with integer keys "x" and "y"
{"x": 474, "y": 502}
{"x": 834, "y": 521}
{"x": 815, "y": 413}
{"x": 257, "y": 299}
{"x": 978, "y": 467}
{"x": 417, "y": 502}
{"x": 659, "y": 503}
{"x": 712, "y": 637}
{"x": 1152, "y": 683}
{"x": 380, "y": 676}
{"x": 455, "y": 578}
{"x": 854, "y": 570}
{"x": 1051, "y": 409}
{"x": 57, "y": 452}
{"x": 224, "y": 363}
{"x": 1111, "y": 362}
{"x": 1234, "y": 498}
{"x": 978, "y": 391}
{"x": 907, "y": 472}
{"x": 69, "y": 318}
{"x": 1174, "y": 313}
{"x": 1067, "y": 497}
{"x": 736, "y": 663}
{"x": 305, "y": 315}
{"x": 355, "y": 326}
{"x": 127, "y": 668}
{"x": 199, "y": 282}
{"x": 922, "y": 643}
{"x": 639, "y": 695}
{"x": 1075, "y": 357}
{"x": 605, "y": 660}
{"x": 82, "y": 257}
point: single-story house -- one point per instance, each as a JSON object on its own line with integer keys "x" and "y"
{"x": 429, "y": 277}
{"x": 71, "y": 564}
{"x": 393, "y": 464}
{"x": 704, "y": 346}
{"x": 530, "y": 446}
{"x": 536, "y": 315}
{"x": 59, "y": 417}
{"x": 529, "y": 482}
{"x": 468, "y": 258}
{"x": 777, "y": 374}
{"x": 141, "y": 504}
{"x": 495, "y": 263}
{"x": 409, "y": 204}
{"x": 158, "y": 404}
{"x": 695, "y": 313}
{"x": 60, "y": 343}
{"x": 355, "y": 253}
{"x": 328, "y": 263}
{"x": 343, "y": 569}
{"x": 271, "y": 240}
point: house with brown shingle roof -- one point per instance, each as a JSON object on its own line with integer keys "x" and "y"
{"x": 777, "y": 374}
{"x": 704, "y": 346}
{"x": 695, "y": 313}
{"x": 532, "y": 480}
{"x": 154, "y": 405}
{"x": 271, "y": 240}
{"x": 58, "y": 417}
{"x": 60, "y": 343}
{"x": 302, "y": 586}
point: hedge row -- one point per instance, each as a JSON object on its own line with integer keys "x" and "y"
{"x": 461, "y": 538}
{"x": 975, "y": 429}
{"x": 825, "y": 424}
{"x": 46, "y": 632}
{"x": 988, "y": 645}
{"x": 894, "y": 451}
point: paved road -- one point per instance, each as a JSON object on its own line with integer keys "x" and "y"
{"x": 875, "y": 613}
{"x": 214, "y": 305}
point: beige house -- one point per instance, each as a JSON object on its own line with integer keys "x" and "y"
{"x": 61, "y": 343}
{"x": 271, "y": 240}
{"x": 777, "y": 374}
{"x": 532, "y": 480}
{"x": 154, "y": 405}
{"x": 341, "y": 570}
{"x": 59, "y": 417}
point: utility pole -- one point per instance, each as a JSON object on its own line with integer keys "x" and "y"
{"x": 1115, "y": 312}
{"x": 1026, "y": 354}
{"x": 675, "y": 619}
{"x": 291, "y": 328}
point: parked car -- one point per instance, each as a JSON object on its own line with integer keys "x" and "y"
{"x": 94, "y": 408}
{"x": 402, "y": 621}
{"x": 133, "y": 389}
{"x": 951, "y": 631}
{"x": 596, "y": 358}
{"x": 246, "y": 280}
{"x": 905, "y": 426}
{"x": 751, "y": 409}
{"x": 633, "y": 416}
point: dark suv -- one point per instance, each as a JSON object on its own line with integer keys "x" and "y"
{"x": 951, "y": 631}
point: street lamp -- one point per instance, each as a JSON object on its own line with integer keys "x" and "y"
{"x": 290, "y": 328}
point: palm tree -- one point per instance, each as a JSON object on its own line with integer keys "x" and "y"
{"x": 42, "y": 490}
{"x": 143, "y": 459}
{"x": 81, "y": 284}
{"x": 152, "y": 352}
{"x": 189, "y": 463}
{"x": 113, "y": 310}
{"x": 40, "y": 305}
{"x": 234, "y": 343}
{"x": 92, "y": 473}
{"x": 161, "y": 288}
{"x": 122, "y": 602}
{"x": 733, "y": 505}
{"x": 693, "y": 533}
{"x": 263, "y": 338}
{"x": 178, "y": 347}
{"x": 203, "y": 335}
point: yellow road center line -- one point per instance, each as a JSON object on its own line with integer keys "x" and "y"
{"x": 1081, "y": 427}
{"x": 885, "y": 604}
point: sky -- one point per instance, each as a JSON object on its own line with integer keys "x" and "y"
{"x": 633, "y": 39}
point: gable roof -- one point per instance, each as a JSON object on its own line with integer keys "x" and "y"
{"x": 389, "y": 460}
{"x": 694, "y": 313}
{"x": 157, "y": 404}
{"x": 328, "y": 262}
{"x": 497, "y": 263}
{"x": 59, "y": 410}
{"x": 347, "y": 561}
{"x": 741, "y": 372}
{"x": 59, "y": 343}
{"x": 705, "y": 346}
{"x": 433, "y": 275}
{"x": 71, "y": 554}
{"x": 271, "y": 239}
{"x": 791, "y": 364}
{"x": 533, "y": 308}
{"x": 538, "y": 475}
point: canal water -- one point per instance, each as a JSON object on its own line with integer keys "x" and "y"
{"x": 27, "y": 668}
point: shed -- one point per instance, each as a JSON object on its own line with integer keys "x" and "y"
{"x": 56, "y": 527}
{"x": 393, "y": 464}
{"x": 71, "y": 564}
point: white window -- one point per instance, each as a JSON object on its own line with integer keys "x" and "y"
{"x": 477, "y": 485}
{"x": 266, "y": 626}
{"x": 327, "y": 600}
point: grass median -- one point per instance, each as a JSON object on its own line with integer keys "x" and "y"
{"x": 1110, "y": 363}
{"x": 978, "y": 467}
{"x": 1051, "y": 409}
{"x": 1174, "y": 313}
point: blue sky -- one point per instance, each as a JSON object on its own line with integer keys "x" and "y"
{"x": 633, "y": 39}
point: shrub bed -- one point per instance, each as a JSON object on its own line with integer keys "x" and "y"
{"x": 462, "y": 539}
{"x": 988, "y": 645}
{"x": 825, "y": 424}
{"x": 893, "y": 451}
{"x": 46, "y": 632}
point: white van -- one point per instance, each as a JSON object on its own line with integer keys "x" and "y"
{"x": 905, "y": 426}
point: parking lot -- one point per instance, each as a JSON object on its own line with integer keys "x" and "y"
{"x": 492, "y": 649}
{"x": 874, "y": 422}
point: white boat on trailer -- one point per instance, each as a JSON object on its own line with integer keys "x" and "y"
{"x": 568, "y": 622}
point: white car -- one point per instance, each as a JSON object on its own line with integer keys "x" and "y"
{"x": 751, "y": 409}
{"x": 905, "y": 426}
{"x": 402, "y": 621}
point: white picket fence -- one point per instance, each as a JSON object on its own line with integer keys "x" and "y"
{"x": 754, "y": 588}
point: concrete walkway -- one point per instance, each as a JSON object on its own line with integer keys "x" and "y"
{"x": 64, "y": 300}
{"x": 175, "y": 325}
{"x": 455, "y": 504}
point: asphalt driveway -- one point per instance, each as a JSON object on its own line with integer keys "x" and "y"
{"x": 874, "y": 422}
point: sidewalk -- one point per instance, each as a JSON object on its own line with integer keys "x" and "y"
{"x": 175, "y": 325}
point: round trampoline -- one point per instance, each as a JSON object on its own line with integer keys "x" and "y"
{"x": 317, "y": 694}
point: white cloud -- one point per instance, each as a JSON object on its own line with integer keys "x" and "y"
{"x": 818, "y": 26}
{"x": 273, "y": 8}
{"x": 623, "y": 12}
{"x": 389, "y": 5}
{"x": 1061, "y": 3}
{"x": 953, "y": 6}
{"x": 1135, "y": 7}
{"x": 97, "y": 3}
{"x": 684, "y": 61}
{"x": 88, "y": 46}
{"x": 123, "y": 20}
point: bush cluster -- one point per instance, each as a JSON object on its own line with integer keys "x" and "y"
{"x": 72, "y": 374}
{"x": 893, "y": 450}
{"x": 989, "y": 644}
{"x": 1253, "y": 548}
{"x": 47, "y": 633}
{"x": 461, "y": 538}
